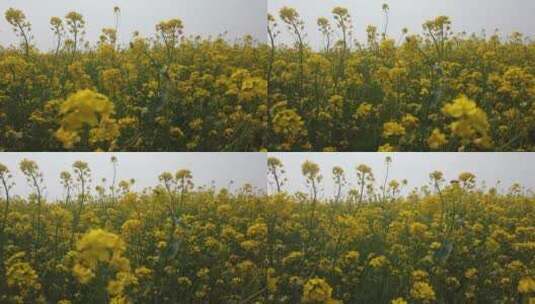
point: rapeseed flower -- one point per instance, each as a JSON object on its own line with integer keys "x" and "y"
{"x": 526, "y": 285}
{"x": 422, "y": 291}
{"x": 317, "y": 291}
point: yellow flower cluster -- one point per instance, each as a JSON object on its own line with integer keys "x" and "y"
{"x": 392, "y": 129}
{"x": 437, "y": 139}
{"x": 90, "y": 113}
{"x": 422, "y": 291}
{"x": 471, "y": 124}
{"x": 526, "y": 285}
{"x": 290, "y": 125}
{"x": 98, "y": 255}
{"x": 317, "y": 291}
{"x": 363, "y": 111}
{"x": 22, "y": 277}
{"x": 378, "y": 262}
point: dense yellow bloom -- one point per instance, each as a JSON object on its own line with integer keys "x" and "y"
{"x": 250, "y": 245}
{"x": 99, "y": 246}
{"x": 131, "y": 227}
{"x": 82, "y": 273}
{"x": 419, "y": 275}
{"x": 289, "y": 124}
{"x": 99, "y": 255}
{"x": 180, "y": 92}
{"x": 112, "y": 80}
{"x": 461, "y": 107}
{"x": 418, "y": 229}
{"x": 471, "y": 122}
{"x": 378, "y": 262}
{"x": 86, "y": 109}
{"x": 122, "y": 280}
{"x": 317, "y": 291}
{"x": 257, "y": 231}
{"x": 157, "y": 87}
{"x": 351, "y": 257}
{"x": 409, "y": 121}
{"x": 22, "y": 276}
{"x": 422, "y": 291}
{"x": 392, "y": 129}
{"x": 363, "y": 110}
{"x": 394, "y": 79}
{"x": 219, "y": 244}
{"x": 526, "y": 285}
{"x": 436, "y": 140}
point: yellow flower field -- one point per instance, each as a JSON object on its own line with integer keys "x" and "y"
{"x": 168, "y": 92}
{"x": 178, "y": 243}
{"x": 435, "y": 91}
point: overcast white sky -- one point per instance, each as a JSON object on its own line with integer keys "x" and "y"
{"x": 222, "y": 168}
{"x": 415, "y": 167}
{"x": 508, "y": 168}
{"x": 206, "y": 17}
{"x": 467, "y": 15}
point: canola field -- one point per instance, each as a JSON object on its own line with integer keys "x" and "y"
{"x": 166, "y": 92}
{"x": 177, "y": 242}
{"x": 435, "y": 90}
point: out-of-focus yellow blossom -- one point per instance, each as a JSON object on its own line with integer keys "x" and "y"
{"x": 86, "y": 109}
{"x": 526, "y": 285}
{"x": 99, "y": 254}
{"x": 351, "y": 257}
{"x": 418, "y": 229}
{"x": 471, "y": 124}
{"x": 131, "y": 227}
{"x": 436, "y": 140}
{"x": 272, "y": 280}
{"x": 378, "y": 262}
{"x": 21, "y": 276}
{"x": 257, "y": 231}
{"x": 143, "y": 272}
{"x": 419, "y": 275}
{"x": 363, "y": 110}
{"x": 386, "y": 148}
{"x": 409, "y": 121}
